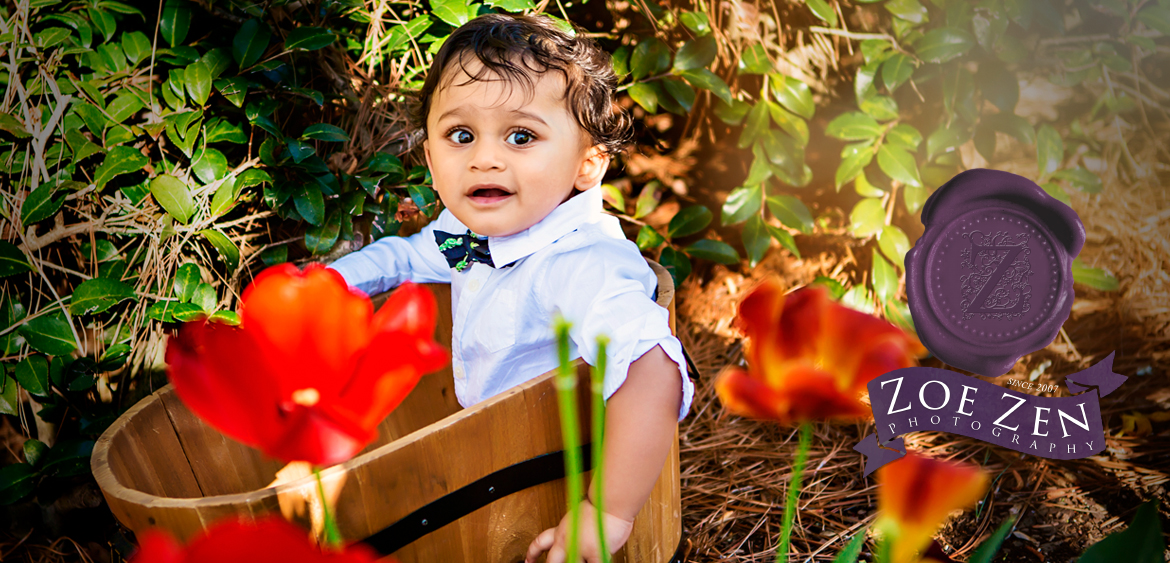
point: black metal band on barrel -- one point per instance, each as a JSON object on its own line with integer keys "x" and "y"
{"x": 499, "y": 484}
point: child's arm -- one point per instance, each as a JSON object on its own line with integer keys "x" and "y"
{"x": 640, "y": 423}
{"x": 387, "y": 263}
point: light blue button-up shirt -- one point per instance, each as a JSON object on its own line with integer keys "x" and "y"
{"x": 576, "y": 261}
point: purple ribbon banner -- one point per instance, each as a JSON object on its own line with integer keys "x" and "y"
{"x": 919, "y": 398}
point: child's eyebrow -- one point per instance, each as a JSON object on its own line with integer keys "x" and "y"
{"x": 460, "y": 111}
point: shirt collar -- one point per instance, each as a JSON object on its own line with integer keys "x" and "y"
{"x": 585, "y": 207}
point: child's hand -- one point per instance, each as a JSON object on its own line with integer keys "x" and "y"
{"x": 556, "y": 540}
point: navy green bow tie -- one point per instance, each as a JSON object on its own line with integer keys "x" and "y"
{"x": 462, "y": 250}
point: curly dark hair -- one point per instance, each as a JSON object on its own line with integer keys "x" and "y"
{"x": 501, "y": 41}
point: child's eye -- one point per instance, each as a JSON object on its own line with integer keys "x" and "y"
{"x": 521, "y": 137}
{"x": 460, "y": 137}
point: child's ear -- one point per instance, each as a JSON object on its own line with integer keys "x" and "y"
{"x": 592, "y": 168}
{"x": 427, "y": 152}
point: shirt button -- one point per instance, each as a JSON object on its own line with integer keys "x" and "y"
{"x": 458, "y": 371}
{"x": 473, "y": 285}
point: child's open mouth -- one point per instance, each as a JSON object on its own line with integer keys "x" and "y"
{"x": 489, "y": 194}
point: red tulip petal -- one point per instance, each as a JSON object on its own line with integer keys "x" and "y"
{"x": 217, "y": 375}
{"x": 917, "y": 493}
{"x": 157, "y": 546}
{"x": 268, "y": 539}
{"x": 389, "y": 370}
{"x": 311, "y": 434}
{"x": 411, "y": 309}
{"x": 810, "y": 394}
{"x": 309, "y": 325}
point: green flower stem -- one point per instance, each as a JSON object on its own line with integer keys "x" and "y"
{"x": 332, "y": 535}
{"x": 794, "y": 491}
{"x": 598, "y": 381}
{"x": 566, "y": 383}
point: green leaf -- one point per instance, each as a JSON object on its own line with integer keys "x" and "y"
{"x": 914, "y": 198}
{"x": 867, "y": 217}
{"x": 858, "y": 298}
{"x": 274, "y": 256}
{"x": 1095, "y": 278}
{"x": 754, "y": 60}
{"x": 49, "y": 334}
{"x": 875, "y": 50}
{"x": 943, "y": 44}
{"x": 791, "y": 124}
{"x": 986, "y": 551}
{"x": 898, "y": 165}
{"x": 98, "y": 294}
{"x": 676, "y": 263}
{"x": 882, "y": 108}
{"x": 689, "y": 221}
{"x": 1081, "y": 179}
{"x": 755, "y": 126}
{"x": 312, "y": 38}
{"x": 822, "y": 10}
{"x": 124, "y": 106}
{"x": 102, "y": 21}
{"x": 695, "y": 54}
{"x": 174, "y": 197}
{"x": 743, "y": 202}
{"x": 187, "y": 277}
{"x": 864, "y": 188}
{"x": 114, "y": 6}
{"x": 118, "y": 161}
{"x": 761, "y": 168}
{"x": 227, "y": 249}
{"x": 650, "y": 57}
{"x": 197, "y": 78}
{"x": 852, "y": 165}
{"x": 1049, "y": 151}
{"x": 784, "y": 238}
{"x": 34, "y": 450}
{"x": 12, "y": 260}
{"x": 50, "y": 37}
{"x": 1013, "y": 125}
{"x": 209, "y": 165}
{"x": 853, "y": 126}
{"x": 864, "y": 85}
{"x": 696, "y": 22}
{"x": 229, "y": 318}
{"x": 300, "y": 150}
{"x": 647, "y": 200}
{"x": 621, "y": 61}
{"x": 325, "y": 132}
{"x": 793, "y": 95}
{"x": 250, "y": 42}
{"x": 894, "y": 244}
{"x": 645, "y": 95}
{"x": 756, "y": 239}
{"x": 648, "y": 238}
{"x": 681, "y": 92}
{"x": 836, "y": 292}
{"x": 909, "y": 10}
{"x": 136, "y": 46}
{"x": 40, "y": 205}
{"x": 453, "y": 12}
{"x": 791, "y": 212}
{"x": 310, "y": 204}
{"x": 707, "y": 80}
{"x": 885, "y": 279}
{"x": 1157, "y": 18}
{"x": 320, "y": 239}
{"x": 186, "y": 312}
{"x": 905, "y": 136}
{"x": 999, "y": 86}
{"x": 613, "y": 196}
{"x": 1141, "y": 542}
{"x": 945, "y": 138}
{"x": 33, "y": 375}
{"x": 713, "y": 250}
{"x": 17, "y": 480}
{"x": 733, "y": 113}
{"x": 204, "y": 297}
{"x": 68, "y": 458}
{"x": 897, "y": 70}
{"x": 13, "y": 126}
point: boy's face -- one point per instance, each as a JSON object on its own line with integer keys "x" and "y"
{"x": 502, "y": 162}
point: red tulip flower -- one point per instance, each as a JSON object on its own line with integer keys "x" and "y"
{"x": 809, "y": 358}
{"x": 311, "y": 370}
{"x": 915, "y": 495}
{"x": 235, "y": 541}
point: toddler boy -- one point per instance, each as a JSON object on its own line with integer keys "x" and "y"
{"x": 520, "y": 128}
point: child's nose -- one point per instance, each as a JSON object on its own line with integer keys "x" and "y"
{"x": 486, "y": 156}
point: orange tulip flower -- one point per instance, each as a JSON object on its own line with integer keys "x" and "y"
{"x": 915, "y": 495}
{"x": 311, "y": 370}
{"x": 234, "y": 541}
{"x": 809, "y": 358}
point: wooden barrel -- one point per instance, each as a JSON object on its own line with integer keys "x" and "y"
{"x": 439, "y": 484}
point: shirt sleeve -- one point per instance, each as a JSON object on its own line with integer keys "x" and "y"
{"x": 390, "y": 261}
{"x": 609, "y": 287}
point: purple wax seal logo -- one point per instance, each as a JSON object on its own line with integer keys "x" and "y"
{"x": 991, "y": 277}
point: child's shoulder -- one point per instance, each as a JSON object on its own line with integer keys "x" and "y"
{"x": 596, "y": 249}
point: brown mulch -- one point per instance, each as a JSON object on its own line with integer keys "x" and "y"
{"x": 735, "y": 471}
